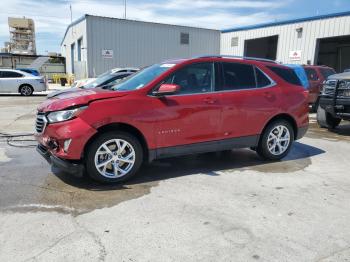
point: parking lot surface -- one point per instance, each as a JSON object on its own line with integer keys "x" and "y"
{"x": 228, "y": 206}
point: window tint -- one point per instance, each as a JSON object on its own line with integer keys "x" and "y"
{"x": 261, "y": 78}
{"x": 193, "y": 79}
{"x": 311, "y": 74}
{"x": 10, "y": 74}
{"x": 326, "y": 72}
{"x": 238, "y": 76}
{"x": 287, "y": 74}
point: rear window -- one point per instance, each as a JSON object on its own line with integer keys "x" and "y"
{"x": 287, "y": 74}
{"x": 326, "y": 72}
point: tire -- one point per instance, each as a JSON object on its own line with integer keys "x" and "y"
{"x": 266, "y": 148}
{"x": 326, "y": 120}
{"x": 113, "y": 158}
{"x": 314, "y": 106}
{"x": 26, "y": 90}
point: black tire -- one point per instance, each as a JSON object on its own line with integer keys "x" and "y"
{"x": 95, "y": 145}
{"x": 314, "y": 106}
{"x": 326, "y": 120}
{"x": 262, "y": 148}
{"x": 26, "y": 90}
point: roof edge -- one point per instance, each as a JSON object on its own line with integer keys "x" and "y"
{"x": 73, "y": 24}
{"x": 286, "y": 22}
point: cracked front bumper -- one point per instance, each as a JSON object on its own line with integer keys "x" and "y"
{"x": 66, "y": 166}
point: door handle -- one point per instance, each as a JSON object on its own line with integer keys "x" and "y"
{"x": 210, "y": 101}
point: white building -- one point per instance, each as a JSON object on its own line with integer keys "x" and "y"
{"x": 93, "y": 44}
{"x": 323, "y": 40}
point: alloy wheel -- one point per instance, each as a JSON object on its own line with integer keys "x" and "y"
{"x": 278, "y": 140}
{"x": 115, "y": 158}
{"x": 26, "y": 90}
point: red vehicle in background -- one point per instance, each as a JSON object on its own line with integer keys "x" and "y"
{"x": 174, "y": 108}
{"x": 316, "y": 76}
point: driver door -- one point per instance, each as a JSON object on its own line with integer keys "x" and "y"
{"x": 193, "y": 115}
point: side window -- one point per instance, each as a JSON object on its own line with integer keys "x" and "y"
{"x": 118, "y": 78}
{"x": 238, "y": 76}
{"x": 311, "y": 74}
{"x": 287, "y": 74}
{"x": 261, "y": 79}
{"x": 10, "y": 74}
{"x": 193, "y": 79}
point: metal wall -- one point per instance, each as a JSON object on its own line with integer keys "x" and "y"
{"x": 288, "y": 37}
{"x": 73, "y": 34}
{"x": 138, "y": 44}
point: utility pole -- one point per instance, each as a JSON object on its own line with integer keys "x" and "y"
{"x": 125, "y": 9}
{"x": 71, "y": 14}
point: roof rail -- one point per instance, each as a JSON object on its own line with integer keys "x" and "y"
{"x": 241, "y": 57}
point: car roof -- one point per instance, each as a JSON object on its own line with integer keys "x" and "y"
{"x": 250, "y": 60}
{"x": 317, "y": 66}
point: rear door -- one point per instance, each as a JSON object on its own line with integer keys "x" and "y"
{"x": 248, "y": 99}
{"x": 10, "y": 81}
{"x": 193, "y": 115}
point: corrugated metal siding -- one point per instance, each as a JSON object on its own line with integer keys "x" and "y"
{"x": 288, "y": 39}
{"x": 73, "y": 34}
{"x": 138, "y": 44}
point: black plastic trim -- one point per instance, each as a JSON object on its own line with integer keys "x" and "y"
{"x": 212, "y": 146}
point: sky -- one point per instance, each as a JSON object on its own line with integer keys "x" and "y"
{"x": 52, "y": 17}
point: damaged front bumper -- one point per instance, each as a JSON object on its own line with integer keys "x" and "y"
{"x": 66, "y": 166}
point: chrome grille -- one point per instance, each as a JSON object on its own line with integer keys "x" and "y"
{"x": 329, "y": 87}
{"x": 40, "y": 122}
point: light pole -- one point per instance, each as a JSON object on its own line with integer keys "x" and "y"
{"x": 124, "y": 9}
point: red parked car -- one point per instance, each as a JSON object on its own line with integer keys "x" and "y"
{"x": 316, "y": 76}
{"x": 174, "y": 108}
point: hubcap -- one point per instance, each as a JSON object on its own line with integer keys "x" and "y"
{"x": 278, "y": 140}
{"x": 115, "y": 158}
{"x": 26, "y": 90}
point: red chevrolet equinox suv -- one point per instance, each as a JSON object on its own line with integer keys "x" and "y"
{"x": 179, "y": 107}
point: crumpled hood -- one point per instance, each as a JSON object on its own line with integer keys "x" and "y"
{"x": 77, "y": 98}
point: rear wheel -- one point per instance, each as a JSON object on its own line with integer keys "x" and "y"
{"x": 26, "y": 90}
{"x": 326, "y": 120}
{"x": 276, "y": 141}
{"x": 113, "y": 157}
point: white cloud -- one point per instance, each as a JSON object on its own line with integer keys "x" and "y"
{"x": 53, "y": 17}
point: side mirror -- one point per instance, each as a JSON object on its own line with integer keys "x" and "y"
{"x": 167, "y": 89}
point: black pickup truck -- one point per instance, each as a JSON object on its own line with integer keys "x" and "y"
{"x": 334, "y": 104}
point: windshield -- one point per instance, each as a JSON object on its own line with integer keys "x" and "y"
{"x": 98, "y": 81}
{"x": 142, "y": 78}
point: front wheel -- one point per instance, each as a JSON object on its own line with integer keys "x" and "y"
{"x": 276, "y": 141}
{"x": 326, "y": 120}
{"x": 113, "y": 157}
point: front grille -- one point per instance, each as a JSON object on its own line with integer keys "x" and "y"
{"x": 40, "y": 122}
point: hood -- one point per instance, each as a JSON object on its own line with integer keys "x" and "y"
{"x": 341, "y": 76}
{"x": 56, "y": 93}
{"x": 77, "y": 98}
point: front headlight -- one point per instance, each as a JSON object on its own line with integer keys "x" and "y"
{"x": 64, "y": 115}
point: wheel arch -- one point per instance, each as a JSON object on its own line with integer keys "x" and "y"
{"x": 120, "y": 127}
{"x": 284, "y": 116}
